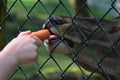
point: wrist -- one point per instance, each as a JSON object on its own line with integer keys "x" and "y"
{"x": 8, "y": 59}
{"x": 7, "y": 65}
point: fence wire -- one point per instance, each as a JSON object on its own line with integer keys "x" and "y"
{"x": 20, "y": 15}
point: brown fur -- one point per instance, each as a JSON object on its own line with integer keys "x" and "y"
{"x": 98, "y": 45}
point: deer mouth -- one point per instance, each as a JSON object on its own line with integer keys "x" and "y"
{"x": 56, "y": 39}
{"x": 53, "y": 27}
{"x": 54, "y": 36}
{"x": 52, "y": 39}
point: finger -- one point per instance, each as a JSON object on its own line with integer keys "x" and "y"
{"x": 25, "y": 33}
{"x": 37, "y": 41}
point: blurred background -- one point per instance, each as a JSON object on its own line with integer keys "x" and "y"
{"x": 31, "y": 15}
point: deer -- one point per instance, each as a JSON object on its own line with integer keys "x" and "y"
{"x": 93, "y": 43}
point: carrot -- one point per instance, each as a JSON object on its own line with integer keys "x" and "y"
{"x": 41, "y": 34}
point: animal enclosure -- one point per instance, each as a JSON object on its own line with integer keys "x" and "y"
{"x": 21, "y": 15}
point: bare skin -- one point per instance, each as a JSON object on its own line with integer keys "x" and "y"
{"x": 96, "y": 45}
{"x": 21, "y": 50}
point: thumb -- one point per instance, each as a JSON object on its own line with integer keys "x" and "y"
{"x": 25, "y": 33}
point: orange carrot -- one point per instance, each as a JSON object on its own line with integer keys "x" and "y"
{"x": 41, "y": 34}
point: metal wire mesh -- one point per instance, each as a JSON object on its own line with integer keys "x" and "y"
{"x": 31, "y": 15}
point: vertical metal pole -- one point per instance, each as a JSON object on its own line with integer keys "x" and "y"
{"x": 77, "y": 4}
{"x": 2, "y": 24}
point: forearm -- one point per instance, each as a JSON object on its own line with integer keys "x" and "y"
{"x": 17, "y": 52}
{"x": 7, "y": 65}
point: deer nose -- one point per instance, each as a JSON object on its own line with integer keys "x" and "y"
{"x": 53, "y": 21}
{"x": 45, "y": 25}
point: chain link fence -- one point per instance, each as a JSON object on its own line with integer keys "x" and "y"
{"x": 20, "y": 15}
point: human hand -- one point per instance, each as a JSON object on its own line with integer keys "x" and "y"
{"x": 23, "y": 49}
